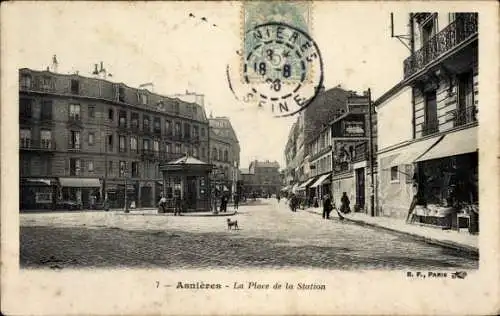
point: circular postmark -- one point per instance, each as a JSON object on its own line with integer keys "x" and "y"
{"x": 280, "y": 68}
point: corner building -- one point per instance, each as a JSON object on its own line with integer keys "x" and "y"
{"x": 82, "y": 136}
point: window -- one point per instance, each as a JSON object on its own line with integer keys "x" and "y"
{"x": 195, "y": 131}
{"x": 25, "y": 81}
{"x": 121, "y": 94}
{"x": 46, "y": 113}
{"x": 168, "y": 127}
{"x": 110, "y": 167}
{"x": 202, "y": 132}
{"x": 91, "y": 111}
{"x": 111, "y": 114}
{"x": 133, "y": 143}
{"x": 431, "y": 118}
{"x": 156, "y": 145}
{"x": 75, "y": 86}
{"x": 427, "y": 31}
{"x": 465, "y": 107}
{"x": 25, "y": 108}
{"x": 226, "y": 155}
{"x": 46, "y": 139}
{"x": 176, "y": 107}
{"x": 134, "y": 121}
{"x": 177, "y": 148}
{"x": 122, "y": 143}
{"x": 90, "y": 166}
{"x": 25, "y": 138}
{"x": 145, "y": 123}
{"x": 203, "y": 152}
{"x": 122, "y": 121}
{"x": 91, "y": 139}
{"x": 144, "y": 99}
{"x": 157, "y": 125}
{"x": 219, "y": 156}
{"x": 394, "y": 174}
{"x": 110, "y": 142}
{"x": 123, "y": 169}
{"x": 24, "y": 165}
{"x": 74, "y": 167}
{"x": 135, "y": 169}
{"x": 146, "y": 145}
{"x": 46, "y": 83}
{"x": 74, "y": 140}
{"x": 178, "y": 131}
{"x": 74, "y": 112}
{"x": 187, "y": 130}
{"x": 214, "y": 153}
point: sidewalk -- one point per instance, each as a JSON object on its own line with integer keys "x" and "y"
{"x": 460, "y": 240}
{"x": 154, "y": 211}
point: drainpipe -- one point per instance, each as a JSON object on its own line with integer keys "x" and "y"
{"x": 412, "y": 47}
{"x": 372, "y": 178}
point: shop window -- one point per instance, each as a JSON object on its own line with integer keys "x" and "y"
{"x": 394, "y": 174}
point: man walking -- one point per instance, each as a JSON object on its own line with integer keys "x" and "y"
{"x": 327, "y": 206}
{"x": 236, "y": 201}
{"x": 177, "y": 205}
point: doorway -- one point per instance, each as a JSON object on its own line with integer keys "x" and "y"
{"x": 191, "y": 192}
{"x": 360, "y": 188}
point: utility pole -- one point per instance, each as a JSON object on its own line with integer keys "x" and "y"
{"x": 372, "y": 182}
{"x": 125, "y": 174}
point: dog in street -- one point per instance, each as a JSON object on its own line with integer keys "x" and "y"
{"x": 231, "y": 224}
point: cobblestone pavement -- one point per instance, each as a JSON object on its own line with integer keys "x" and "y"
{"x": 270, "y": 235}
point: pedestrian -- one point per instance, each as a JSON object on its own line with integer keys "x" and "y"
{"x": 106, "y": 204}
{"x": 418, "y": 195}
{"x": 278, "y": 197}
{"x": 223, "y": 203}
{"x": 236, "y": 200}
{"x": 162, "y": 204}
{"x": 294, "y": 201}
{"x": 177, "y": 205}
{"x": 327, "y": 206}
{"x": 344, "y": 204}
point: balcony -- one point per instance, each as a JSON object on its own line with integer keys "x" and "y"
{"x": 465, "y": 116}
{"x": 457, "y": 32}
{"x": 44, "y": 145}
{"x": 75, "y": 120}
{"x": 149, "y": 154}
{"x": 430, "y": 127}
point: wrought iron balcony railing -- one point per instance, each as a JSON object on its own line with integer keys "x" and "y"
{"x": 42, "y": 145}
{"x": 430, "y": 127}
{"x": 455, "y": 33}
{"x": 465, "y": 116}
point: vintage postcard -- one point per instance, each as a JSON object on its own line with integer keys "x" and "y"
{"x": 250, "y": 158}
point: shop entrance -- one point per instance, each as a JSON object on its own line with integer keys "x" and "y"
{"x": 191, "y": 192}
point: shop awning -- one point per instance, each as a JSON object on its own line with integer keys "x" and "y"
{"x": 305, "y": 184}
{"x": 456, "y": 143}
{"x": 413, "y": 151}
{"x": 80, "y": 182}
{"x": 40, "y": 181}
{"x": 322, "y": 179}
{"x": 293, "y": 189}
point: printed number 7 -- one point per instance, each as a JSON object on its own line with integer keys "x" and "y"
{"x": 157, "y": 284}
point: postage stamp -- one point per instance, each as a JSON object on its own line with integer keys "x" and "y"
{"x": 280, "y": 64}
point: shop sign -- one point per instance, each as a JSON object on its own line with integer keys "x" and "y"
{"x": 353, "y": 128}
{"x": 42, "y": 197}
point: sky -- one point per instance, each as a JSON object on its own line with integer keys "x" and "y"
{"x": 159, "y": 42}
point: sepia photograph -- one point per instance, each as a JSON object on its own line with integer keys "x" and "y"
{"x": 249, "y": 150}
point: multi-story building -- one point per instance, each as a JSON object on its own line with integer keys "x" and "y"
{"x": 428, "y": 122}
{"x": 247, "y": 182}
{"x": 266, "y": 177}
{"x": 225, "y": 152}
{"x": 83, "y": 137}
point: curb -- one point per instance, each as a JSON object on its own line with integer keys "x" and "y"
{"x": 447, "y": 244}
{"x": 192, "y": 214}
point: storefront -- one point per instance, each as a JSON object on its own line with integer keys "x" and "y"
{"x": 37, "y": 193}
{"x": 82, "y": 191}
{"x": 304, "y": 190}
{"x": 322, "y": 187}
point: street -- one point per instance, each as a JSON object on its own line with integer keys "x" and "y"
{"x": 270, "y": 236}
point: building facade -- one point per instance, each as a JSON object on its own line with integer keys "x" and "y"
{"x": 225, "y": 153}
{"x": 266, "y": 177}
{"x": 432, "y": 145}
{"x": 83, "y": 138}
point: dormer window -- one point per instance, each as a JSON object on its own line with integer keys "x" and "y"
{"x": 75, "y": 86}
{"x": 46, "y": 83}
{"x": 144, "y": 99}
{"x": 25, "y": 81}
{"x": 121, "y": 94}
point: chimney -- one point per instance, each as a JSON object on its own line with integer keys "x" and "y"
{"x": 102, "y": 69}
{"x": 54, "y": 63}
{"x": 96, "y": 71}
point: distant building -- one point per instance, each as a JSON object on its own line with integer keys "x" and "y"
{"x": 81, "y": 137}
{"x": 225, "y": 153}
{"x": 247, "y": 181}
{"x": 266, "y": 176}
